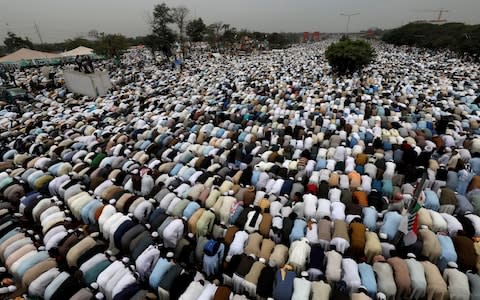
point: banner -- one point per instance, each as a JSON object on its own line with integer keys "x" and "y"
{"x": 92, "y": 85}
{"x": 316, "y": 36}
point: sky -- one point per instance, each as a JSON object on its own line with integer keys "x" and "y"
{"x": 61, "y": 19}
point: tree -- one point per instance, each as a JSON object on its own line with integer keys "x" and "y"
{"x": 214, "y": 34}
{"x": 454, "y": 36}
{"x": 348, "y": 56}
{"x": 70, "y": 44}
{"x": 179, "y": 15}
{"x": 13, "y": 42}
{"x": 221, "y": 35}
{"x": 229, "y": 36}
{"x": 277, "y": 40}
{"x": 111, "y": 45}
{"x": 196, "y": 30}
{"x": 162, "y": 37}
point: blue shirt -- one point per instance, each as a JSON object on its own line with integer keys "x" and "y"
{"x": 53, "y": 169}
{"x": 452, "y": 180}
{"x": 190, "y": 209}
{"x": 448, "y": 251}
{"x": 220, "y": 133}
{"x": 207, "y": 150}
{"x": 370, "y": 218}
{"x": 161, "y": 268}
{"x": 283, "y": 288}
{"x": 367, "y": 277}
{"x": 464, "y": 178}
{"x": 387, "y": 187}
{"x": 233, "y": 217}
{"x": 145, "y": 144}
{"x": 431, "y": 200}
{"x": 475, "y": 165}
{"x": 377, "y": 185}
{"x": 391, "y": 223}
{"x": 321, "y": 164}
{"x": 31, "y": 262}
{"x": 255, "y": 177}
{"x": 211, "y": 264}
{"x": 186, "y": 157}
{"x": 188, "y": 173}
{"x": 8, "y": 235}
{"x": 298, "y": 230}
{"x": 353, "y": 142}
{"x": 87, "y": 209}
{"x": 242, "y": 136}
{"x": 176, "y": 169}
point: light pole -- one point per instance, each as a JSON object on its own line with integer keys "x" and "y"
{"x": 348, "y": 19}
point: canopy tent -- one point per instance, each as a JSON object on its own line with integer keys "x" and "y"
{"x": 81, "y": 50}
{"x": 25, "y": 54}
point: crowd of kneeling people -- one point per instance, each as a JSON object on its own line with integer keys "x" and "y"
{"x": 248, "y": 178}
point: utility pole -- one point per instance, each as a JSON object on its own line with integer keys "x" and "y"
{"x": 348, "y": 20}
{"x": 38, "y": 33}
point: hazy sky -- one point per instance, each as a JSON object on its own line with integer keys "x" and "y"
{"x": 60, "y": 19}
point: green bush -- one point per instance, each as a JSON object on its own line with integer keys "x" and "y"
{"x": 347, "y": 56}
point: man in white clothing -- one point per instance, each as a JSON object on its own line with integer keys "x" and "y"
{"x": 173, "y": 233}
{"x": 310, "y": 206}
{"x": 298, "y": 254}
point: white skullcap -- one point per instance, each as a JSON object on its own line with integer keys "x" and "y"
{"x": 12, "y": 288}
{"x": 452, "y": 264}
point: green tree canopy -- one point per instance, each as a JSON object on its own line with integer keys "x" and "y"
{"x": 454, "y": 36}
{"x": 214, "y": 34}
{"x": 162, "y": 37}
{"x": 111, "y": 45}
{"x": 229, "y": 35}
{"x": 13, "y": 42}
{"x": 349, "y": 55}
{"x": 196, "y": 30}
{"x": 70, "y": 44}
{"x": 277, "y": 40}
{"x": 179, "y": 15}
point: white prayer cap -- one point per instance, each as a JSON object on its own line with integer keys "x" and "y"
{"x": 452, "y": 264}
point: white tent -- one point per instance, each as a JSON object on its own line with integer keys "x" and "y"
{"x": 27, "y": 55}
{"x": 78, "y": 51}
